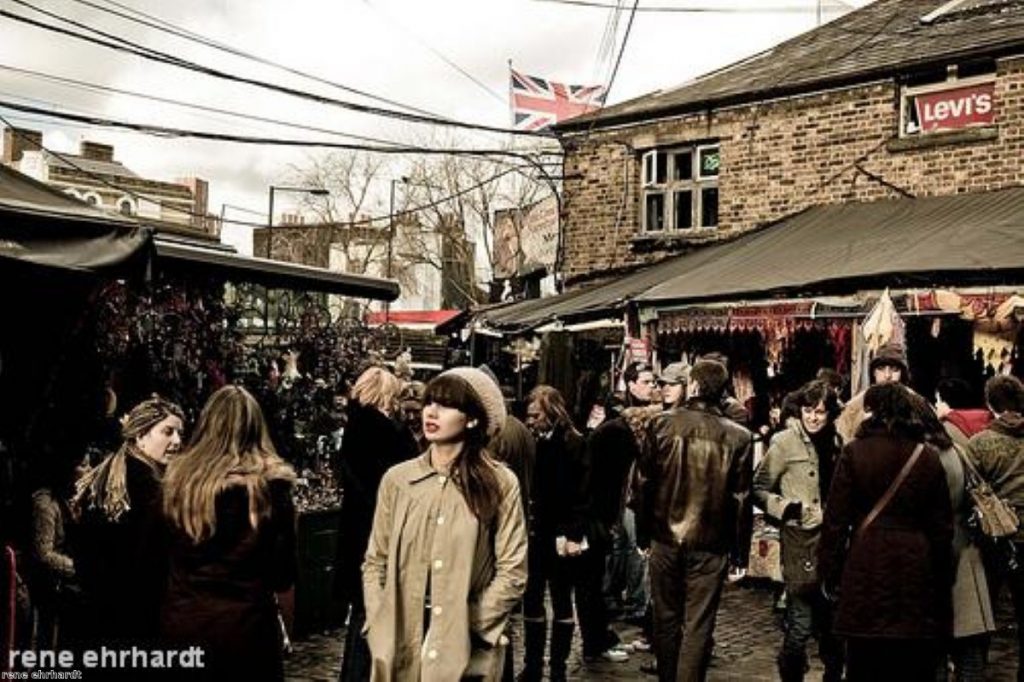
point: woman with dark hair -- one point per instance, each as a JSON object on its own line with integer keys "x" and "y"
{"x": 558, "y": 525}
{"x": 791, "y": 485}
{"x": 886, "y": 544}
{"x": 121, "y": 549}
{"x": 972, "y": 608}
{"x": 228, "y": 501}
{"x": 446, "y": 561}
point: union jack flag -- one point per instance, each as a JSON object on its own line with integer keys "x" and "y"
{"x": 538, "y": 103}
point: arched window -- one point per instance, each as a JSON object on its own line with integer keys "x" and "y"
{"x": 126, "y": 206}
{"x": 93, "y": 198}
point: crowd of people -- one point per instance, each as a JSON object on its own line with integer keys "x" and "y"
{"x": 456, "y": 515}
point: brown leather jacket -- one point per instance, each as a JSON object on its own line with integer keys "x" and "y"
{"x": 694, "y": 480}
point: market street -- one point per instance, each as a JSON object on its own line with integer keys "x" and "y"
{"x": 746, "y": 642}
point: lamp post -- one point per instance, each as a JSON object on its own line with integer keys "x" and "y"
{"x": 315, "y": 191}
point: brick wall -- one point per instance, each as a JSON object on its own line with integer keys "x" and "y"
{"x": 776, "y": 159}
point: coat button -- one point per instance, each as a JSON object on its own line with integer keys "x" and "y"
{"x": 438, "y": 564}
{"x": 440, "y": 520}
{"x": 442, "y": 479}
{"x": 811, "y": 474}
{"x": 437, "y": 610}
{"x": 432, "y": 654}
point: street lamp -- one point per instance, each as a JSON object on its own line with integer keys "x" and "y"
{"x": 315, "y": 191}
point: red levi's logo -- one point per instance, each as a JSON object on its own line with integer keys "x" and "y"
{"x": 957, "y": 108}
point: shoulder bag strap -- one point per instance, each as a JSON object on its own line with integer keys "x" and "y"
{"x": 883, "y": 502}
{"x": 971, "y": 476}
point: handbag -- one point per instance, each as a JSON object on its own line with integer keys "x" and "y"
{"x": 991, "y": 516}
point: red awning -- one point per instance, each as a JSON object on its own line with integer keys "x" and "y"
{"x": 425, "y": 317}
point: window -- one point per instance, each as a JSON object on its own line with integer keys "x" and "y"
{"x": 680, "y": 188}
{"x": 126, "y": 207}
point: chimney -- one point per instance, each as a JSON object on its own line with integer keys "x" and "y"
{"x": 97, "y": 151}
{"x": 17, "y": 141}
{"x": 200, "y": 199}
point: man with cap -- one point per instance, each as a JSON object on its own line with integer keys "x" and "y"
{"x": 888, "y": 366}
{"x": 673, "y": 380}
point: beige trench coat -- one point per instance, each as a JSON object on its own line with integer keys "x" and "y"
{"x": 424, "y": 532}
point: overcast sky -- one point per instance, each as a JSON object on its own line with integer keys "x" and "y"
{"x": 389, "y": 48}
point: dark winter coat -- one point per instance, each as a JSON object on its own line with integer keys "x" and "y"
{"x": 122, "y": 565}
{"x": 561, "y": 487}
{"x": 372, "y": 444}
{"x": 998, "y": 453}
{"x": 614, "y": 449}
{"x": 221, "y": 592}
{"x": 514, "y": 446}
{"x": 895, "y": 580}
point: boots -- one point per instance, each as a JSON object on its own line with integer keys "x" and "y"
{"x": 535, "y": 632}
{"x": 561, "y": 644}
{"x": 792, "y": 667}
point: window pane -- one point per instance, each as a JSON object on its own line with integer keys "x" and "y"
{"x": 682, "y": 165}
{"x": 709, "y": 162}
{"x": 683, "y": 209}
{"x": 661, "y": 175}
{"x": 709, "y": 207}
{"x": 654, "y": 212}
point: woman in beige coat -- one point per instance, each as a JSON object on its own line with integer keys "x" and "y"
{"x": 446, "y": 562}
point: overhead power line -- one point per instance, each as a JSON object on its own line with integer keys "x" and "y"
{"x": 157, "y": 56}
{"x": 166, "y": 131}
{"x": 766, "y": 9}
{"x": 96, "y": 87}
{"x": 165, "y": 26}
{"x": 70, "y": 160}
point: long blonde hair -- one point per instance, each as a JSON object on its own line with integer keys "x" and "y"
{"x": 230, "y": 446}
{"x": 377, "y": 387}
{"x": 106, "y": 487}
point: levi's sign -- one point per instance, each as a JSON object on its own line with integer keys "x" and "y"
{"x": 955, "y": 108}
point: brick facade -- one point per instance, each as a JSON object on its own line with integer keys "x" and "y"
{"x": 778, "y": 158}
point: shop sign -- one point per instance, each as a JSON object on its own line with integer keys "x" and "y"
{"x": 955, "y": 108}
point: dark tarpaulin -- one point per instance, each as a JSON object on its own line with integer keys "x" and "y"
{"x": 963, "y": 239}
{"x": 42, "y": 226}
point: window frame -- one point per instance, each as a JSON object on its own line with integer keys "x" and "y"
{"x": 698, "y": 181}
{"x": 951, "y": 82}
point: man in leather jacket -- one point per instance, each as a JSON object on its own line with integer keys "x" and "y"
{"x": 695, "y": 516}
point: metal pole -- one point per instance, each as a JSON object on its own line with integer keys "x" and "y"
{"x": 391, "y": 241}
{"x": 270, "y": 222}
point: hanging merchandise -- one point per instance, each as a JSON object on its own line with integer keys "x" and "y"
{"x": 882, "y": 325}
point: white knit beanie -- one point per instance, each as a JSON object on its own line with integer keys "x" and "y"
{"x": 487, "y": 391}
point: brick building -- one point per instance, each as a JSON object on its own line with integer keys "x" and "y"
{"x": 94, "y": 176}
{"x": 828, "y": 117}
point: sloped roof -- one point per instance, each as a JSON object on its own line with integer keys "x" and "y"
{"x": 91, "y": 166}
{"x": 877, "y": 41}
{"x": 963, "y": 239}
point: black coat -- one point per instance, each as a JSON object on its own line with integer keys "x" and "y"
{"x": 895, "y": 580}
{"x": 122, "y": 565}
{"x": 221, "y": 592}
{"x": 613, "y": 451}
{"x": 372, "y": 444}
{"x": 560, "y": 503}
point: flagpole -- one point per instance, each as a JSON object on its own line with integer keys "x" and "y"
{"x": 511, "y": 107}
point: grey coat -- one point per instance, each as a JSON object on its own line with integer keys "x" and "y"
{"x": 789, "y": 473}
{"x": 972, "y": 608}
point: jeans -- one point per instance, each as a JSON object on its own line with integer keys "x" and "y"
{"x": 626, "y": 573}
{"x": 968, "y": 654}
{"x": 809, "y": 614}
{"x": 687, "y": 586}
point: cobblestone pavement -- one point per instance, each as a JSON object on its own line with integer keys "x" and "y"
{"x": 747, "y": 637}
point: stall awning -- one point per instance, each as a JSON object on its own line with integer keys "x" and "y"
{"x": 964, "y": 239}
{"x": 42, "y": 226}
{"x": 272, "y": 273}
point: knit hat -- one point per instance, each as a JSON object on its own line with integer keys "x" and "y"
{"x": 675, "y": 373}
{"x": 891, "y": 354}
{"x": 487, "y": 391}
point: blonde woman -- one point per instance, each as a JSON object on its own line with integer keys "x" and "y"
{"x": 228, "y": 502}
{"x": 374, "y": 441}
{"x": 120, "y": 554}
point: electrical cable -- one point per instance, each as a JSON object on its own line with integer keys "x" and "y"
{"x": 154, "y": 55}
{"x": 777, "y": 9}
{"x": 166, "y": 131}
{"x": 66, "y": 158}
{"x": 165, "y": 26}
